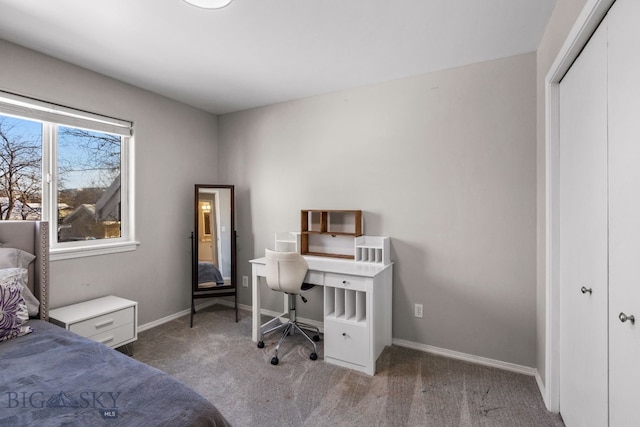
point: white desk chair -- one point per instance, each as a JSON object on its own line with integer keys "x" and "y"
{"x": 285, "y": 273}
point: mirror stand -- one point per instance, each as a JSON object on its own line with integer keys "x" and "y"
{"x": 213, "y": 245}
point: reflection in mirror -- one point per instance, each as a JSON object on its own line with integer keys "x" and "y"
{"x": 213, "y": 270}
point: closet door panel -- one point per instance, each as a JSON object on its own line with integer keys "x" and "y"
{"x": 583, "y": 237}
{"x": 624, "y": 205}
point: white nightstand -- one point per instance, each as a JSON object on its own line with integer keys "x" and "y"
{"x": 112, "y": 321}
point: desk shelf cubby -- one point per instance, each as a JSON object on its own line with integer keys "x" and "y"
{"x": 373, "y": 249}
{"x": 322, "y": 229}
{"x": 346, "y": 304}
{"x": 287, "y": 241}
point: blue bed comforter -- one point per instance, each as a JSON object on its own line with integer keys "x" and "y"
{"x": 54, "y": 377}
{"x": 207, "y": 272}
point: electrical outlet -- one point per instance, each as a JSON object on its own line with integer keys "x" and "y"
{"x": 245, "y": 281}
{"x": 418, "y": 310}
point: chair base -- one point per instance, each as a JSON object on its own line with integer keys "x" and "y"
{"x": 289, "y": 328}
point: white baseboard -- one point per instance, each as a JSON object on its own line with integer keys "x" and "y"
{"x": 316, "y": 323}
{"x": 479, "y": 360}
{"x": 543, "y": 389}
{"x": 169, "y": 318}
{"x": 397, "y": 341}
{"x": 227, "y": 303}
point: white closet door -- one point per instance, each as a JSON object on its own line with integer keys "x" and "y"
{"x": 583, "y": 237}
{"x": 624, "y": 205}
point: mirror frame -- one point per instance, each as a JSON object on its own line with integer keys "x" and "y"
{"x": 217, "y": 291}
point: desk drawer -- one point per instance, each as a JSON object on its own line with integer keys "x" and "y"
{"x": 346, "y": 281}
{"x": 106, "y": 322}
{"x": 115, "y": 337}
{"x": 348, "y": 342}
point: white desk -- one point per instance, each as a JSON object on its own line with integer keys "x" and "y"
{"x": 357, "y": 308}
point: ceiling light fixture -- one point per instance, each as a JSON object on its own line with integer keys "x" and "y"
{"x": 209, "y": 4}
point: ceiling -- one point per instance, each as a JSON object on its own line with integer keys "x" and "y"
{"x": 259, "y": 52}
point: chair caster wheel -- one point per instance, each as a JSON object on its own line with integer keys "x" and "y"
{"x": 313, "y": 356}
{"x": 316, "y": 338}
{"x": 260, "y": 344}
{"x": 274, "y": 361}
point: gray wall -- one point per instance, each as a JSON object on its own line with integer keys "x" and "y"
{"x": 443, "y": 163}
{"x": 175, "y": 147}
{"x": 564, "y": 16}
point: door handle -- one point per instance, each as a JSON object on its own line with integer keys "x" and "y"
{"x": 623, "y": 318}
{"x": 585, "y": 290}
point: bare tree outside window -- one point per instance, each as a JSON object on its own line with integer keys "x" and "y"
{"x": 88, "y": 185}
{"x": 20, "y": 169}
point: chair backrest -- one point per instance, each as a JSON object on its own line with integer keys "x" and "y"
{"x": 285, "y": 271}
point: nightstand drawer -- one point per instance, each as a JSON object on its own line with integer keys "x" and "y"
{"x": 115, "y": 336}
{"x": 106, "y": 322}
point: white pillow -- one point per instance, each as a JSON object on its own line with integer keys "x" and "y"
{"x": 21, "y": 277}
{"x": 12, "y": 257}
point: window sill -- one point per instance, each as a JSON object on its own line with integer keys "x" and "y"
{"x": 93, "y": 250}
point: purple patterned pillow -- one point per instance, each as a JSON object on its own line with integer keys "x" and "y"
{"x": 13, "y": 310}
{"x": 33, "y": 305}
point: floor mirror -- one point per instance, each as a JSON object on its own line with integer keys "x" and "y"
{"x": 213, "y": 269}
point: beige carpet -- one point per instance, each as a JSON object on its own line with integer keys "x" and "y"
{"x": 411, "y": 388}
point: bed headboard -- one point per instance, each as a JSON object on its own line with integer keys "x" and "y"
{"x": 32, "y": 237}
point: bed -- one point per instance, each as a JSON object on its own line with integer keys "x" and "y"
{"x": 52, "y": 377}
{"x": 209, "y": 275}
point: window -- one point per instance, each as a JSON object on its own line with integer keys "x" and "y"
{"x": 70, "y": 168}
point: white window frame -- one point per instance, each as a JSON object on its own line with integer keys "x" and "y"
{"x": 51, "y": 116}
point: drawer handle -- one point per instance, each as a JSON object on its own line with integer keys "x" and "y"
{"x": 623, "y": 318}
{"x": 105, "y": 323}
{"x": 106, "y": 340}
